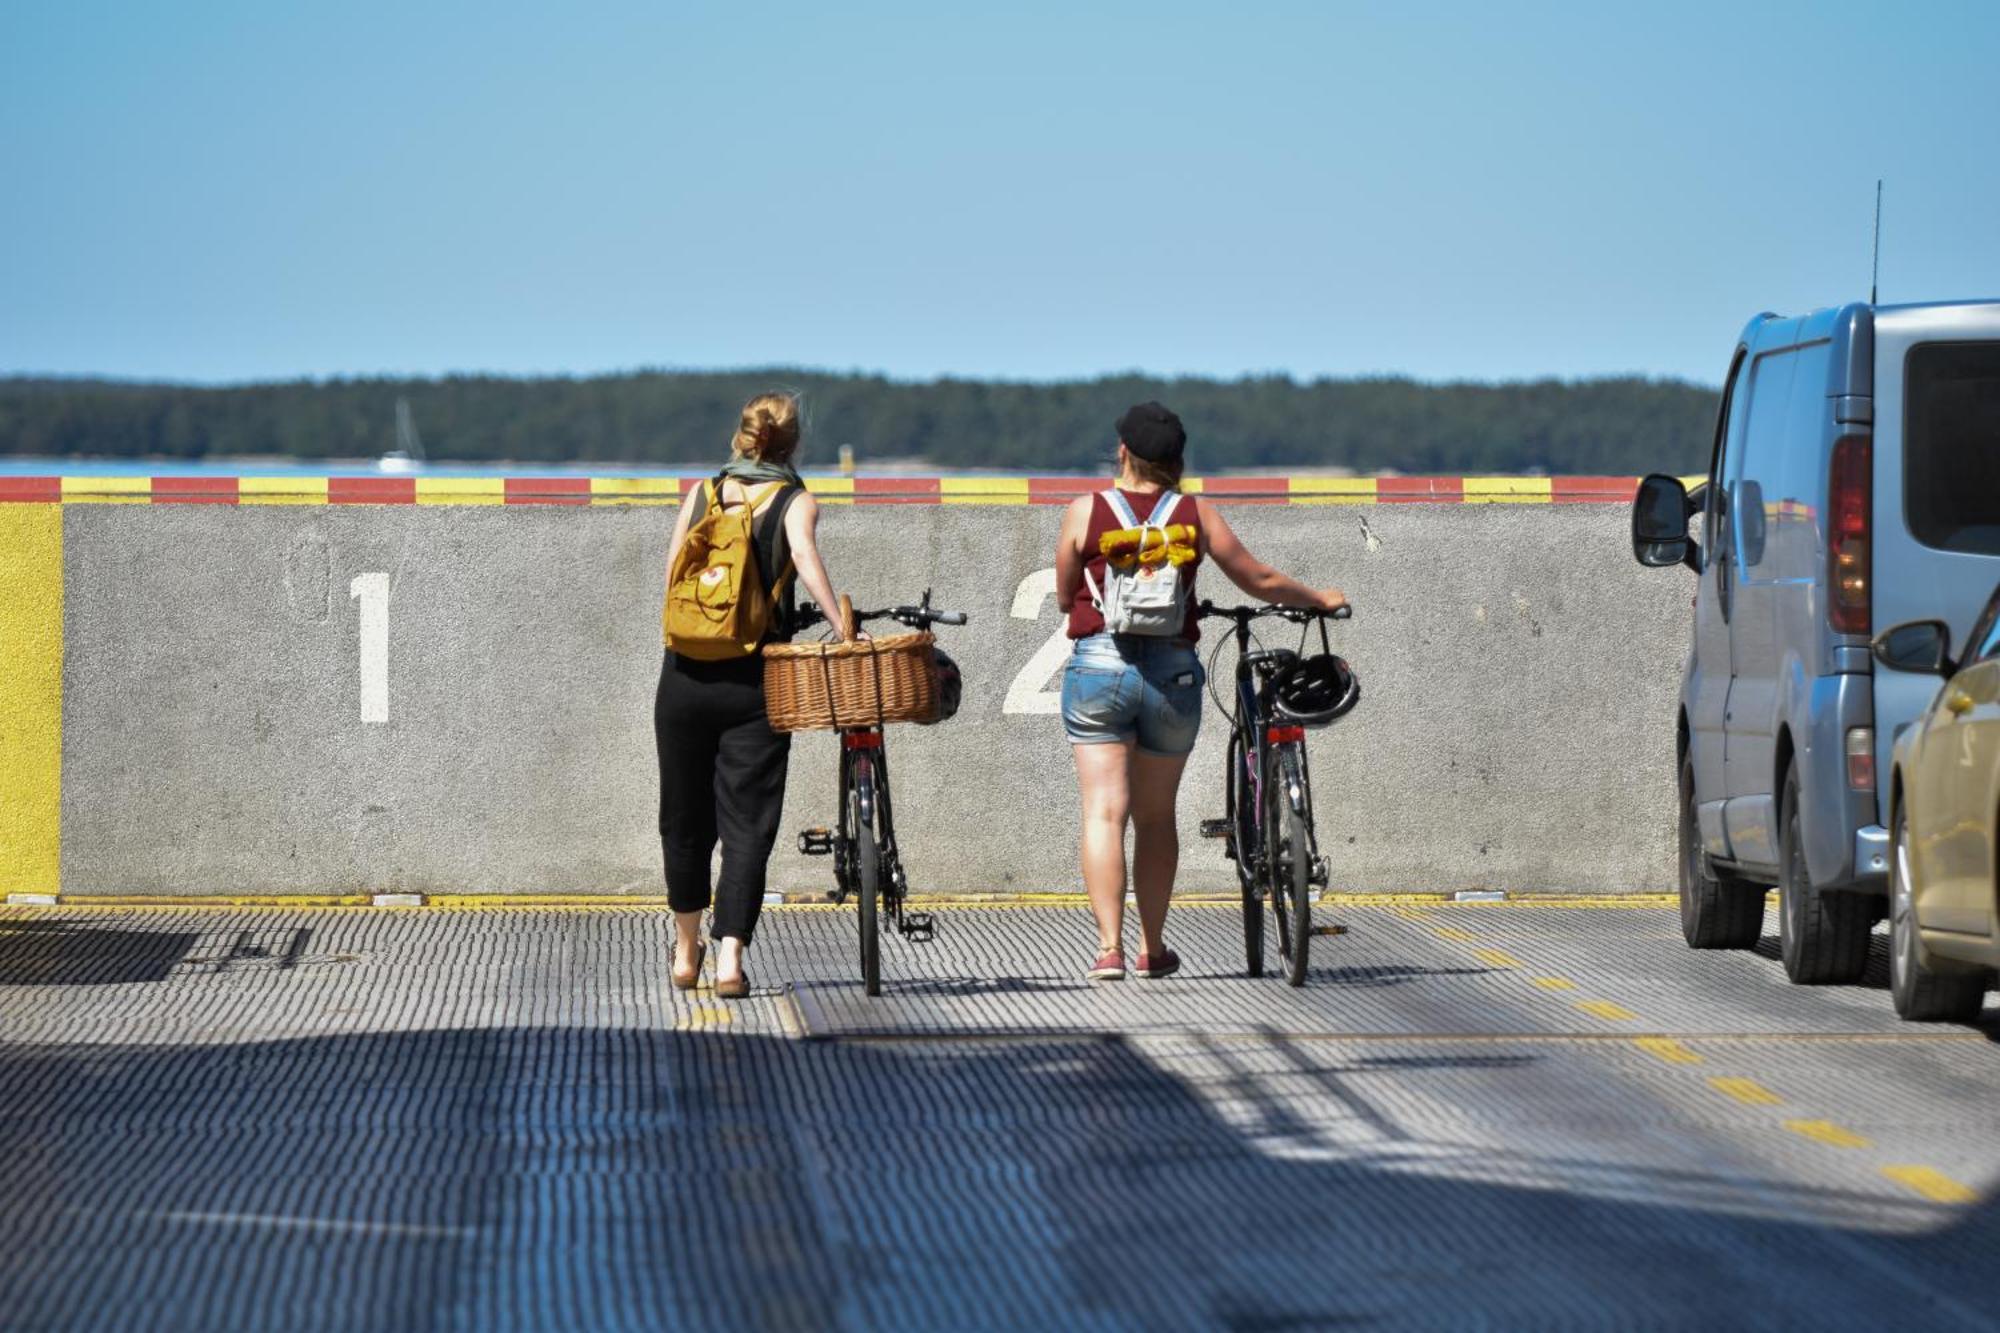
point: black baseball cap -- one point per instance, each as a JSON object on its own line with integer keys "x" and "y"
{"x": 1153, "y": 433}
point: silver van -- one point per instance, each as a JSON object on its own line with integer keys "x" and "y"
{"x": 1854, "y": 481}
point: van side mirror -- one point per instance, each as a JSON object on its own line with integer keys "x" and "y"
{"x": 1922, "y": 646}
{"x": 1660, "y": 513}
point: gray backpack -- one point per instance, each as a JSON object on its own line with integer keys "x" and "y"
{"x": 1145, "y": 599}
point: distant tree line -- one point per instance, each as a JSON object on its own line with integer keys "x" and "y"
{"x": 1615, "y": 426}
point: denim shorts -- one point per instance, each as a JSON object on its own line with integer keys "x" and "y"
{"x": 1131, "y": 687}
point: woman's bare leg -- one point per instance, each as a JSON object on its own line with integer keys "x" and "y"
{"x": 1156, "y": 843}
{"x": 687, "y": 941}
{"x": 728, "y": 958}
{"x": 1101, "y": 777}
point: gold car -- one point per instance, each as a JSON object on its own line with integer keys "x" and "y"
{"x": 1944, "y": 810}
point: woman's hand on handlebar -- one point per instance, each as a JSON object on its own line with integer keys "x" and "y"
{"x": 1330, "y": 599}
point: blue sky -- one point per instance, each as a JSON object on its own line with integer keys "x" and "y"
{"x": 226, "y": 191}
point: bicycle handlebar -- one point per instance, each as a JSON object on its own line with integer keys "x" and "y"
{"x": 1243, "y": 615}
{"x": 916, "y": 617}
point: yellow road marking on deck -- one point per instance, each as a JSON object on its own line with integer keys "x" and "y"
{"x": 1452, "y": 933}
{"x": 31, "y": 700}
{"x": 1555, "y": 983}
{"x": 706, "y": 1016}
{"x": 1825, "y": 1131}
{"x": 1746, "y": 1090}
{"x": 1933, "y": 1185}
{"x": 1496, "y": 957}
{"x": 1607, "y": 1010}
{"x": 1668, "y": 1050}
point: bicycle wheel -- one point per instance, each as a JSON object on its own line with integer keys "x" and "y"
{"x": 1288, "y": 869}
{"x": 1241, "y": 835}
{"x": 867, "y": 888}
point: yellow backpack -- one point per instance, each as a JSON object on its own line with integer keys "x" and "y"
{"x": 718, "y": 608}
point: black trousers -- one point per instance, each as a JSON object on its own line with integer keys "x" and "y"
{"x": 722, "y": 776}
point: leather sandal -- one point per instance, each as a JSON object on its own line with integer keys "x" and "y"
{"x": 693, "y": 978}
{"x": 739, "y": 989}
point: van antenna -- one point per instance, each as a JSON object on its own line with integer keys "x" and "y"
{"x": 1875, "y": 273}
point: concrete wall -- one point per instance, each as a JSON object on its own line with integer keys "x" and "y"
{"x": 1516, "y": 729}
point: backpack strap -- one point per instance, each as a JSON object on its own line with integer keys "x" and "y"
{"x": 1163, "y": 511}
{"x": 1121, "y": 508}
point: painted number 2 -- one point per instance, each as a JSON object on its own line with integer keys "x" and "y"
{"x": 1030, "y": 692}
{"x": 372, "y": 591}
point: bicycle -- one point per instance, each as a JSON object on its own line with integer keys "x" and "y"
{"x": 1271, "y": 840}
{"x": 866, "y": 863}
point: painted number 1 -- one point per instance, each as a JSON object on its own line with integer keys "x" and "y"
{"x": 372, "y": 591}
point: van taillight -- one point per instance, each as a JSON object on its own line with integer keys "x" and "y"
{"x": 1847, "y": 564}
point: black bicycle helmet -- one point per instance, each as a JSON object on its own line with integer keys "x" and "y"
{"x": 951, "y": 685}
{"x": 1315, "y": 690}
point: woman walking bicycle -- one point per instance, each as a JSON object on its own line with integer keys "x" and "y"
{"x": 737, "y": 544}
{"x": 1126, "y": 563}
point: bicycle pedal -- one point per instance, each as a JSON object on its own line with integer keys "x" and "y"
{"x": 918, "y": 927}
{"x": 1331, "y": 928}
{"x": 816, "y": 842}
{"x": 1214, "y": 828}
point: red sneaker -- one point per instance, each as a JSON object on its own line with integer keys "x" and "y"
{"x": 1162, "y": 964}
{"x": 1111, "y": 967}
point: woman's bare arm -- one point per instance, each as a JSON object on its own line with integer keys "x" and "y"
{"x": 1069, "y": 551}
{"x": 802, "y": 530}
{"x": 1252, "y": 575}
{"x": 682, "y": 522}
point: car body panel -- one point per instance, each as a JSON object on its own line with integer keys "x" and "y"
{"x": 1947, "y": 770}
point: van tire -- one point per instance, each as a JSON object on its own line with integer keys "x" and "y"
{"x": 1718, "y": 910}
{"x": 1921, "y": 989}
{"x": 1822, "y": 937}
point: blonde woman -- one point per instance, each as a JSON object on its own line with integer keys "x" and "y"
{"x": 1131, "y": 702}
{"x": 722, "y": 768}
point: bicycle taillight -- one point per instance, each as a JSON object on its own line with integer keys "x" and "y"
{"x": 1280, "y": 735}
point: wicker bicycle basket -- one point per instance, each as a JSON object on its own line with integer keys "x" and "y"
{"x": 817, "y": 686}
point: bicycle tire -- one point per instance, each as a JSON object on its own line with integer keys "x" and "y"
{"x": 1246, "y": 875}
{"x": 1298, "y": 868}
{"x": 1287, "y": 868}
{"x": 867, "y": 888}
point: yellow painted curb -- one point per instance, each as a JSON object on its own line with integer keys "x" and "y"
{"x": 31, "y": 699}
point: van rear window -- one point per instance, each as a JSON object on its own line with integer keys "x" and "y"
{"x": 1951, "y": 445}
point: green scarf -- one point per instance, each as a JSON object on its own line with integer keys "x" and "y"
{"x": 752, "y": 471}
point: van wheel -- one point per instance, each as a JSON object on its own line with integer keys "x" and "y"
{"x": 1923, "y": 993}
{"x": 1823, "y": 937}
{"x": 1718, "y": 910}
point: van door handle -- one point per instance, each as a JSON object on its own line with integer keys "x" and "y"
{"x": 1958, "y": 702}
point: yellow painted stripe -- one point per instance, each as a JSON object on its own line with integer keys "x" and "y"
{"x": 31, "y": 663}
{"x": 1825, "y": 1131}
{"x": 1746, "y": 1090}
{"x": 832, "y": 490}
{"x": 1607, "y": 1010}
{"x": 1452, "y": 933}
{"x": 1507, "y": 490}
{"x": 983, "y": 490}
{"x": 107, "y": 490}
{"x": 1667, "y": 1050}
{"x": 1496, "y": 957}
{"x": 461, "y": 490}
{"x": 1555, "y": 983}
{"x": 705, "y": 1017}
{"x": 635, "y": 490}
{"x": 1932, "y": 1184}
{"x": 1333, "y": 490}
{"x": 281, "y": 491}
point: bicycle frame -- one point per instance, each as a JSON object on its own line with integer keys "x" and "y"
{"x": 1257, "y": 734}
